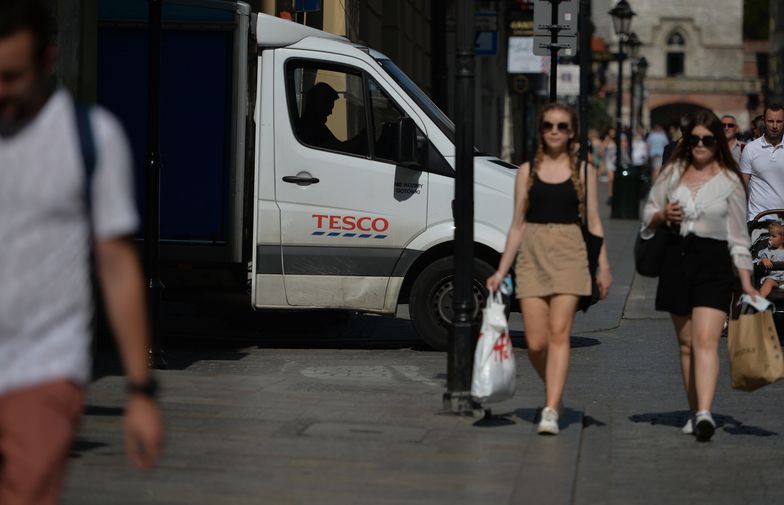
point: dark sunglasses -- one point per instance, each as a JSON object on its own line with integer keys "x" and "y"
{"x": 728, "y": 125}
{"x": 693, "y": 140}
{"x": 548, "y": 126}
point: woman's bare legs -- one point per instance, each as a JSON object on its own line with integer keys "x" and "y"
{"x": 536, "y": 315}
{"x": 706, "y": 328}
{"x": 683, "y": 331}
{"x": 548, "y": 327}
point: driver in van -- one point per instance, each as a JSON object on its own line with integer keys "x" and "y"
{"x": 312, "y": 126}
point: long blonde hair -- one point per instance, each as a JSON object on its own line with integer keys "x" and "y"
{"x": 540, "y": 150}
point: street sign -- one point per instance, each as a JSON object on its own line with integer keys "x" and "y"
{"x": 521, "y": 58}
{"x": 521, "y": 23}
{"x": 486, "y": 43}
{"x": 567, "y": 17}
{"x": 567, "y": 45}
{"x": 486, "y": 33}
{"x": 568, "y": 80}
{"x": 485, "y": 21}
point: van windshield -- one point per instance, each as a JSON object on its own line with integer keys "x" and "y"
{"x": 436, "y": 115}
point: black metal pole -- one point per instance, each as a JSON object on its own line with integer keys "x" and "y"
{"x": 457, "y": 399}
{"x": 632, "y": 97}
{"x": 641, "y": 101}
{"x": 554, "y": 49}
{"x": 586, "y": 78}
{"x": 152, "y": 228}
{"x": 619, "y": 108}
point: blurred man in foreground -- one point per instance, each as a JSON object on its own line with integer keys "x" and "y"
{"x": 54, "y": 213}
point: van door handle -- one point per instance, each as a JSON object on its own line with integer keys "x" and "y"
{"x": 301, "y": 180}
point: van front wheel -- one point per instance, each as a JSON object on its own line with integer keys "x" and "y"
{"x": 432, "y": 295}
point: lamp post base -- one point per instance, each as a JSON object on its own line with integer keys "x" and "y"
{"x": 460, "y": 403}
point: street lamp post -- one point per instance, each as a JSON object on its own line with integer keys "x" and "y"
{"x": 642, "y": 71}
{"x": 457, "y": 399}
{"x": 622, "y": 20}
{"x": 633, "y": 43}
{"x": 152, "y": 225}
{"x": 622, "y": 205}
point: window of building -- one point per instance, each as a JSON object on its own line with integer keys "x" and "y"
{"x": 676, "y": 54}
{"x": 675, "y": 64}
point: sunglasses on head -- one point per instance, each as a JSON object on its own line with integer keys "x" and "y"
{"x": 693, "y": 140}
{"x": 548, "y": 126}
{"x": 728, "y": 125}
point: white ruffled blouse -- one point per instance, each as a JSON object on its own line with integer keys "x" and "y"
{"x": 716, "y": 209}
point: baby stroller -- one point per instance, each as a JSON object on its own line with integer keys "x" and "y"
{"x": 758, "y": 230}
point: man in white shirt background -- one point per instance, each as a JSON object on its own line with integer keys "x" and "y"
{"x": 762, "y": 165}
{"x": 730, "y": 125}
{"x": 48, "y": 219}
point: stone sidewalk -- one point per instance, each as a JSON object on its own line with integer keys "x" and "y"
{"x": 305, "y": 409}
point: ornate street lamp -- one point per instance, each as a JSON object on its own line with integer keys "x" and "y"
{"x": 622, "y": 21}
{"x": 622, "y": 18}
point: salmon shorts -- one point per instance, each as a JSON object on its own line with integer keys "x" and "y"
{"x": 37, "y": 428}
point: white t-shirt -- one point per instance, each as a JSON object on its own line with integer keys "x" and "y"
{"x": 765, "y": 163}
{"x": 45, "y": 291}
{"x": 639, "y": 152}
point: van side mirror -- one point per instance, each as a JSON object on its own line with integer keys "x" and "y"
{"x": 406, "y": 142}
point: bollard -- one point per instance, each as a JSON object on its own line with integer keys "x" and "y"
{"x": 626, "y": 193}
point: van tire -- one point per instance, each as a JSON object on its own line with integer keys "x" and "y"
{"x": 431, "y": 296}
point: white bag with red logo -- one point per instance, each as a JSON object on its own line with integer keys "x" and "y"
{"x": 494, "y": 364}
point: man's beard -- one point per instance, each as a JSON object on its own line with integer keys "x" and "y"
{"x": 25, "y": 107}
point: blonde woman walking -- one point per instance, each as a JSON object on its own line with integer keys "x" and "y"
{"x": 552, "y": 262}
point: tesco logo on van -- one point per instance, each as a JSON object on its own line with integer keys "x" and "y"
{"x": 350, "y": 226}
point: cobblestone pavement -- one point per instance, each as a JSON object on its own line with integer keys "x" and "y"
{"x": 308, "y": 409}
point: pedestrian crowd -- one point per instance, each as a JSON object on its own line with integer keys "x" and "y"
{"x": 707, "y": 187}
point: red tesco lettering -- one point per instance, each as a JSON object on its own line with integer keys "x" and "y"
{"x": 350, "y": 223}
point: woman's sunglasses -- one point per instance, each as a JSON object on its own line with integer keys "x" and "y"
{"x": 693, "y": 140}
{"x": 548, "y": 126}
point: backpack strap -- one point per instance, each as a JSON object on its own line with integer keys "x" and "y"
{"x": 87, "y": 148}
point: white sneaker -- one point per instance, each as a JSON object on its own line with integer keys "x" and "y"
{"x": 704, "y": 425}
{"x": 688, "y": 428}
{"x": 548, "y": 424}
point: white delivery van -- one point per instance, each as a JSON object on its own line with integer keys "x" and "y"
{"x": 354, "y": 184}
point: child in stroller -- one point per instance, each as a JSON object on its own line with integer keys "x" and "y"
{"x": 769, "y": 262}
{"x": 768, "y": 256}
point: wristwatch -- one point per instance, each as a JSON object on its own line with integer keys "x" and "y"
{"x": 148, "y": 388}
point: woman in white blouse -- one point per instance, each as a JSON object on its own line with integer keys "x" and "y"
{"x": 700, "y": 196}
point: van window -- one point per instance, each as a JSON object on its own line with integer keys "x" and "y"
{"x": 327, "y": 106}
{"x": 385, "y": 114}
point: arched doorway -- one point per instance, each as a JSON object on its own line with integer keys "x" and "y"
{"x": 670, "y": 114}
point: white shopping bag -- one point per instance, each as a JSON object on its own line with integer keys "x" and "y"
{"x": 494, "y": 364}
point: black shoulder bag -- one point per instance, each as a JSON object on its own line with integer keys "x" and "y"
{"x": 649, "y": 254}
{"x": 593, "y": 246}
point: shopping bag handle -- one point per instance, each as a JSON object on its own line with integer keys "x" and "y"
{"x": 747, "y": 303}
{"x": 496, "y": 296}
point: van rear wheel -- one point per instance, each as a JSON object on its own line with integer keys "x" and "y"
{"x": 432, "y": 296}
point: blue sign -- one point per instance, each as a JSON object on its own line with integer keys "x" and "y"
{"x": 486, "y": 44}
{"x": 307, "y": 5}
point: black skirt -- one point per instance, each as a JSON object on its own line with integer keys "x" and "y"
{"x": 697, "y": 273}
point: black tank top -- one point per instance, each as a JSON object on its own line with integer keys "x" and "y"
{"x": 553, "y": 203}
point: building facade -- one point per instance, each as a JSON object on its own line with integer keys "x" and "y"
{"x": 696, "y": 58}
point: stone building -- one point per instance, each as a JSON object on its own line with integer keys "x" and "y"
{"x": 695, "y": 52}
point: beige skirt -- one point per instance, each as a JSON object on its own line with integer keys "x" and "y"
{"x": 552, "y": 260}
